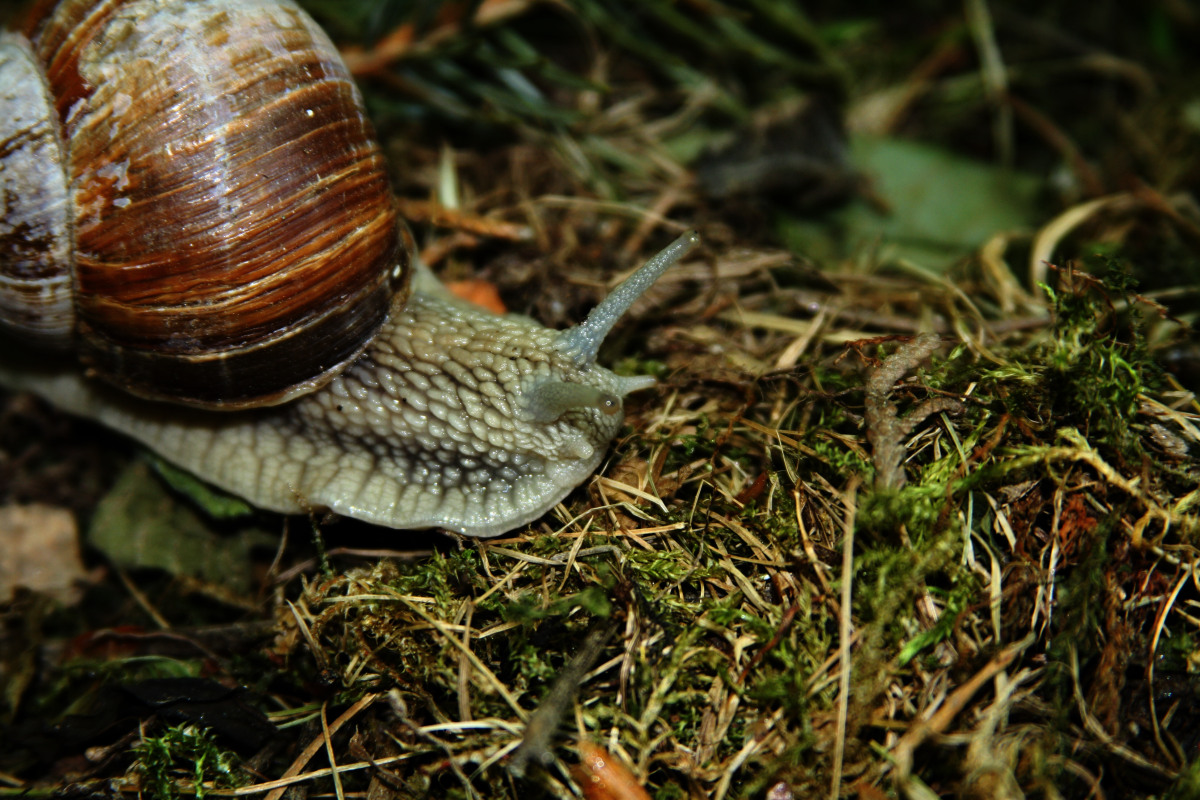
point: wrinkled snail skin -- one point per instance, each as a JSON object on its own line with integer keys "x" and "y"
{"x": 229, "y": 242}
{"x": 453, "y": 418}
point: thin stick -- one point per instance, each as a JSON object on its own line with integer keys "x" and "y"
{"x": 845, "y": 630}
{"x": 319, "y": 742}
{"x": 902, "y": 753}
{"x": 328, "y": 737}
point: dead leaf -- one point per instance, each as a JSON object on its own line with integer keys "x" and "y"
{"x": 41, "y": 552}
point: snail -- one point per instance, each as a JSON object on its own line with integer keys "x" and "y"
{"x": 192, "y": 202}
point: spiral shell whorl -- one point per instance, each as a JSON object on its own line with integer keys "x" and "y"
{"x": 235, "y": 234}
{"x": 35, "y": 247}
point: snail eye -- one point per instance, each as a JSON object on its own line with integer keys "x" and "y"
{"x": 549, "y": 400}
{"x": 609, "y": 404}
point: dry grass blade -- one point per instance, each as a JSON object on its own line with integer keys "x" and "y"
{"x": 821, "y": 582}
{"x": 317, "y": 744}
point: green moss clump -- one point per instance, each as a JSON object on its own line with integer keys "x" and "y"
{"x": 189, "y": 750}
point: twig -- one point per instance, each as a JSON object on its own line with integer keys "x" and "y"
{"x": 1093, "y": 726}
{"x": 845, "y": 630}
{"x": 995, "y": 77}
{"x": 1159, "y": 623}
{"x": 886, "y": 430}
{"x": 543, "y": 723}
{"x": 316, "y": 744}
{"x": 922, "y": 730}
{"x": 327, "y": 736}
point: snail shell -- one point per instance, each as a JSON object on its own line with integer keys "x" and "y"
{"x": 200, "y": 205}
{"x": 192, "y": 200}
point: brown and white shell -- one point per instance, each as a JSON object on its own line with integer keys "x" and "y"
{"x": 192, "y": 196}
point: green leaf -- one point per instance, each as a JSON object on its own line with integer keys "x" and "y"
{"x": 214, "y": 502}
{"x": 139, "y": 523}
{"x": 941, "y": 206}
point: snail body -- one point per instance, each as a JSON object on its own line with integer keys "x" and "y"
{"x": 251, "y": 269}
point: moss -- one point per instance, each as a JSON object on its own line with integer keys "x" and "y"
{"x": 191, "y": 751}
{"x": 1097, "y": 362}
